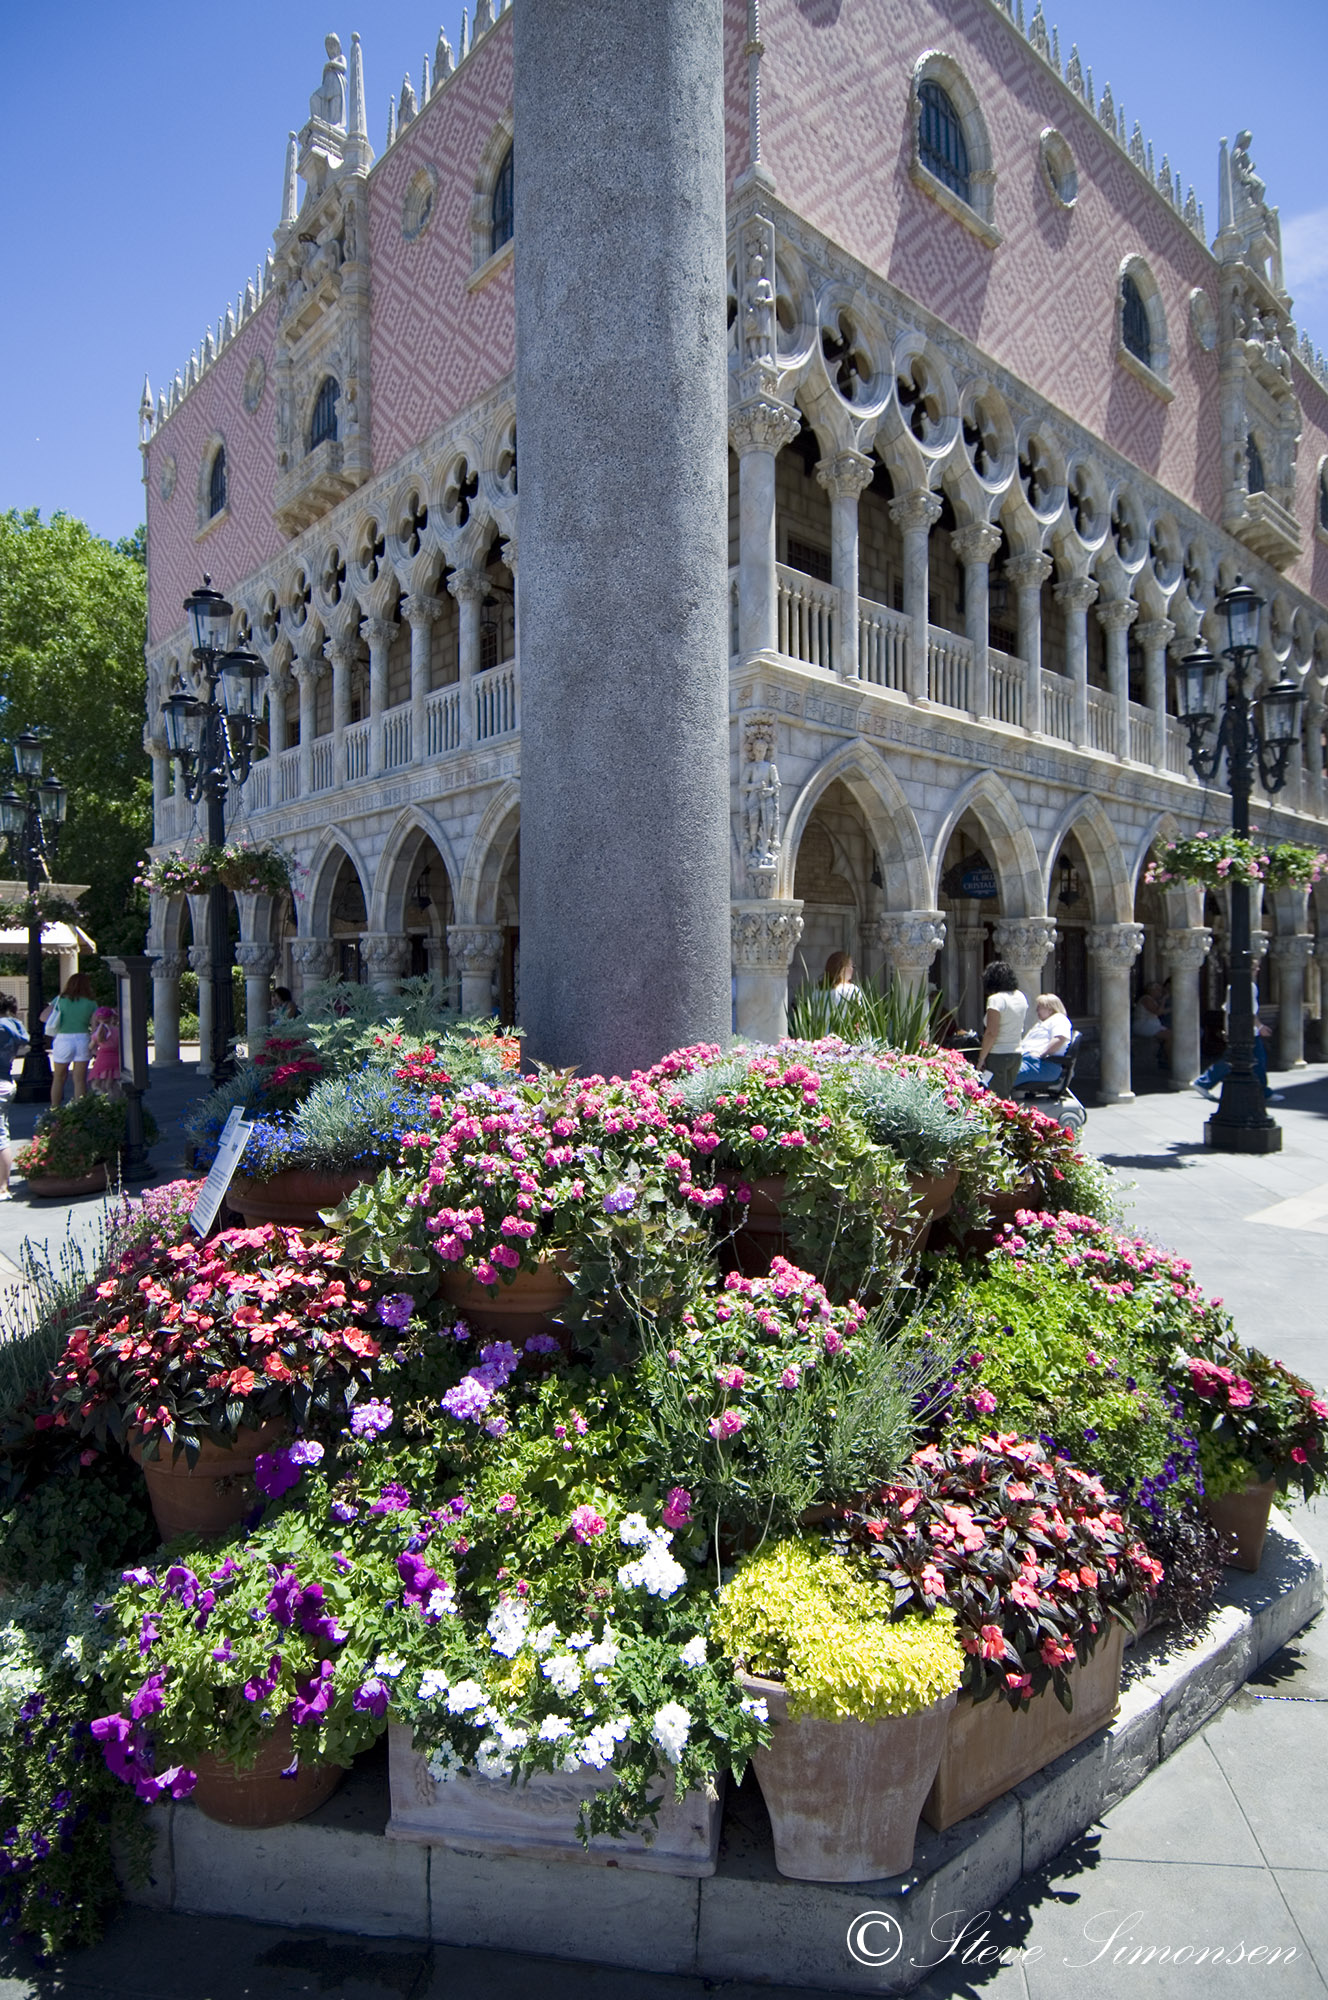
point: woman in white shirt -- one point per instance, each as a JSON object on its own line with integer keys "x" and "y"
{"x": 1048, "y": 1038}
{"x": 1006, "y": 1009}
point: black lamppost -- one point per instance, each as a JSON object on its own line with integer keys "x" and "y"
{"x": 1253, "y": 733}
{"x": 213, "y": 742}
{"x": 30, "y": 821}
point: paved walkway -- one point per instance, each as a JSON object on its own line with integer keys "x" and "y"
{"x": 1223, "y": 1846}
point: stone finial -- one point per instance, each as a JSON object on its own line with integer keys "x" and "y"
{"x": 290, "y": 193}
{"x": 250, "y": 300}
{"x": 391, "y": 121}
{"x": 163, "y": 407}
{"x": 483, "y": 17}
{"x": 358, "y": 153}
{"x": 1106, "y": 112}
{"x": 1089, "y": 99}
{"x": 1056, "y": 50}
{"x": 426, "y": 85}
{"x": 464, "y": 44}
{"x": 177, "y": 388}
{"x": 1074, "y": 73}
{"x": 409, "y": 106}
{"x": 145, "y": 415}
{"x": 1037, "y": 33}
{"x": 443, "y": 64}
{"x": 1137, "y": 145}
{"x": 269, "y": 271}
{"x": 228, "y": 324}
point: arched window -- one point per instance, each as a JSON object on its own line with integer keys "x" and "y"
{"x": 217, "y": 483}
{"x": 942, "y": 148}
{"x": 500, "y": 209}
{"x": 323, "y": 424}
{"x": 1254, "y": 479}
{"x": 1136, "y": 334}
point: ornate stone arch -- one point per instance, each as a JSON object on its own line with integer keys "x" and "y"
{"x": 497, "y": 147}
{"x": 879, "y": 795}
{"x": 1109, "y": 877}
{"x": 1013, "y": 854}
{"x": 476, "y": 894}
{"x": 387, "y": 906}
{"x": 335, "y": 847}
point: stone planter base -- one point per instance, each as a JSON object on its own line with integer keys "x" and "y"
{"x": 538, "y": 1819}
{"x": 1243, "y": 1518}
{"x": 991, "y": 1747}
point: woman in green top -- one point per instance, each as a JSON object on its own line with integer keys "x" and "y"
{"x": 69, "y": 1018}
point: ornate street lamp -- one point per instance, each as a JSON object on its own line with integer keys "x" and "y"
{"x": 1253, "y": 733}
{"x": 211, "y": 736}
{"x": 30, "y": 821}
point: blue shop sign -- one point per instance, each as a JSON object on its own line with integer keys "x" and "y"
{"x": 979, "y": 883}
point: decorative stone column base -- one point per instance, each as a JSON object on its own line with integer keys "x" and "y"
{"x": 475, "y": 949}
{"x": 765, "y": 936}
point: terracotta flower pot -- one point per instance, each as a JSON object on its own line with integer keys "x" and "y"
{"x": 991, "y": 1747}
{"x": 844, "y": 1797}
{"x": 260, "y": 1796}
{"x": 57, "y": 1187}
{"x": 516, "y": 1307}
{"x": 1243, "y": 1518}
{"x": 217, "y": 1492}
{"x": 294, "y": 1199}
{"x": 1004, "y": 1204}
{"x": 761, "y": 1238}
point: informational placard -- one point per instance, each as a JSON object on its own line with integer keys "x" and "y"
{"x": 234, "y": 1137}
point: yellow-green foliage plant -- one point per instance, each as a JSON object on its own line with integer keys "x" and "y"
{"x": 796, "y": 1612}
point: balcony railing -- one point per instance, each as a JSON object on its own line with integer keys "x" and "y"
{"x": 1143, "y": 734}
{"x": 882, "y": 646}
{"x": 1007, "y": 688}
{"x": 949, "y": 668}
{"x": 496, "y": 702}
{"x": 442, "y": 722}
{"x": 288, "y": 777}
{"x": 1057, "y": 707}
{"x": 396, "y": 738}
{"x": 808, "y": 614}
{"x": 1102, "y": 722}
{"x": 321, "y": 763}
{"x": 1178, "y": 749}
{"x": 357, "y": 751}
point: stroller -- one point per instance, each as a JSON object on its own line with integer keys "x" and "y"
{"x": 1058, "y": 1099}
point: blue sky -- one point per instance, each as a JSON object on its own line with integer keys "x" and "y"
{"x": 146, "y": 147}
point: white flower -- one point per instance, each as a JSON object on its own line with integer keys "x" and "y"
{"x": 510, "y": 1735}
{"x": 670, "y": 1730}
{"x": 633, "y": 1530}
{"x": 465, "y": 1695}
{"x": 507, "y": 1627}
{"x": 433, "y": 1682}
{"x": 491, "y": 1761}
{"x": 554, "y": 1728}
{"x": 572, "y": 1761}
{"x": 387, "y": 1666}
{"x": 694, "y": 1652}
{"x": 442, "y": 1602}
{"x": 580, "y": 1640}
{"x": 599, "y": 1745}
{"x": 605, "y": 1653}
{"x": 655, "y": 1571}
{"x": 755, "y": 1705}
{"x": 564, "y": 1670}
{"x": 547, "y": 1636}
{"x": 445, "y": 1764}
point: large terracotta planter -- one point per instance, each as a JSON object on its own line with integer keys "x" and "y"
{"x": 294, "y": 1199}
{"x": 516, "y": 1307}
{"x": 260, "y": 1796}
{"x": 217, "y": 1492}
{"x": 56, "y": 1187}
{"x": 761, "y": 1237}
{"x": 844, "y": 1797}
{"x": 990, "y": 1747}
{"x": 537, "y": 1819}
{"x": 1243, "y": 1518}
{"x": 1004, "y": 1204}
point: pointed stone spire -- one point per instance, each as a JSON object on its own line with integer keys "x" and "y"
{"x": 1019, "y": 14}
{"x": 443, "y": 64}
{"x": 250, "y": 300}
{"x": 1137, "y": 145}
{"x": 359, "y": 153}
{"x": 177, "y": 389}
{"x": 1107, "y": 109}
{"x": 408, "y": 104}
{"x": 209, "y": 351}
{"x": 1074, "y": 74}
{"x": 269, "y": 271}
{"x": 1150, "y": 168}
{"x": 1191, "y": 210}
{"x": 1056, "y": 50}
{"x": 228, "y": 326}
{"x": 191, "y": 373}
{"x": 290, "y": 194}
{"x": 483, "y": 17}
{"x": 391, "y": 121}
{"x": 145, "y": 420}
{"x": 465, "y": 33}
{"x": 426, "y": 87}
{"x": 162, "y": 407}
{"x": 1089, "y": 99}
{"x": 1037, "y": 32}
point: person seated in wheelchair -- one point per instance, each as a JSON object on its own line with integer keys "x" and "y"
{"x": 1045, "y": 1042}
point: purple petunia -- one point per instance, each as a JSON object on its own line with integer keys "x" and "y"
{"x": 275, "y": 1472}
{"x": 370, "y": 1420}
{"x": 396, "y": 1309}
{"x": 621, "y": 1199}
{"x": 372, "y": 1696}
{"x": 468, "y": 1400}
{"x": 393, "y": 1499}
{"x": 313, "y": 1694}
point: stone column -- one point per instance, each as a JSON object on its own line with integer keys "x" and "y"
{"x": 1312, "y": 758}
{"x": 309, "y": 670}
{"x": 1025, "y": 943}
{"x": 1115, "y": 948}
{"x": 380, "y": 633}
{"x": 625, "y": 803}
{"x": 313, "y": 959}
{"x": 870, "y": 954}
{"x": 915, "y": 515}
{"x": 764, "y": 939}
{"x": 1074, "y": 596}
{"x": 1183, "y": 954}
{"x": 1291, "y": 955}
{"x": 911, "y": 942}
{"x": 975, "y": 546}
{"x": 474, "y": 949}
{"x": 343, "y": 661}
{"x": 422, "y": 612}
{"x": 278, "y": 683}
{"x": 1026, "y": 575}
{"x": 971, "y": 939}
{"x": 758, "y": 431}
{"x": 386, "y": 956}
{"x": 1154, "y": 636}
{"x": 200, "y": 961}
{"x": 468, "y": 587}
{"x": 259, "y": 962}
{"x": 166, "y": 969}
{"x": 845, "y": 478}
{"x": 1116, "y": 617}
{"x": 161, "y": 785}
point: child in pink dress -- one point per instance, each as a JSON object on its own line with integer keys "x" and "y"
{"x": 104, "y": 1042}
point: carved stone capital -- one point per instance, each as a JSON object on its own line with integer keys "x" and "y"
{"x": 1116, "y": 946}
{"x": 468, "y": 586}
{"x": 200, "y": 958}
{"x": 511, "y": 553}
{"x": 977, "y": 543}
{"x": 970, "y": 937}
{"x": 919, "y": 509}
{"x": 344, "y": 653}
{"x": 167, "y": 964}
{"x": 314, "y": 957}
{"x": 911, "y": 941}
{"x": 1186, "y": 950}
{"x": 1155, "y": 634}
{"x": 1030, "y": 571}
{"x": 1297, "y": 949}
{"x": 763, "y": 424}
{"x": 765, "y": 935}
{"x": 847, "y": 475}
{"x": 1117, "y": 614}
{"x": 474, "y": 948}
{"x": 380, "y": 632}
{"x": 423, "y": 609}
{"x": 1075, "y": 593}
{"x": 258, "y": 960}
{"x": 385, "y": 953}
{"x": 1024, "y": 941}
{"x": 309, "y": 669}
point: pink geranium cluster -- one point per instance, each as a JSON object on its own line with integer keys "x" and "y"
{"x": 1114, "y": 1265}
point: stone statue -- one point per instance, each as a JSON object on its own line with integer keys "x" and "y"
{"x": 760, "y": 809}
{"x": 1249, "y": 189}
{"x": 328, "y": 102}
{"x": 759, "y": 312}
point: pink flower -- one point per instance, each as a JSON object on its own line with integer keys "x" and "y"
{"x": 1299, "y": 1455}
{"x": 789, "y": 1379}
{"x": 983, "y": 1402}
{"x": 726, "y": 1426}
{"x": 730, "y": 1378}
{"x": 505, "y": 1504}
{"x": 993, "y": 1643}
{"x": 586, "y": 1523}
{"x": 677, "y": 1508}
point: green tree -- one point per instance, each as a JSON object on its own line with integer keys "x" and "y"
{"x": 73, "y": 614}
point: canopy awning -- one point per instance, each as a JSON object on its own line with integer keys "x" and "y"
{"x": 55, "y": 937}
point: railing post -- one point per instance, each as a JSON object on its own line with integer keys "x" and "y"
{"x": 915, "y": 515}
{"x": 1074, "y": 596}
{"x": 758, "y": 432}
{"x": 975, "y": 546}
{"x": 845, "y": 478}
{"x": 1116, "y": 617}
{"x": 1154, "y": 636}
{"x": 1027, "y": 573}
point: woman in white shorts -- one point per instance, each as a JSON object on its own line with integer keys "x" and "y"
{"x": 69, "y": 1018}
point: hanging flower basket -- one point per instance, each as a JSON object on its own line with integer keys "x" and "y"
{"x": 248, "y": 870}
{"x": 1218, "y": 858}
